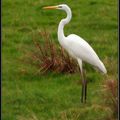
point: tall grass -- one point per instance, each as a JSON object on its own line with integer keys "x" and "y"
{"x": 48, "y": 57}
{"x": 110, "y": 97}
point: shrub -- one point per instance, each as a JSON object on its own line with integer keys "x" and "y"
{"x": 47, "y": 57}
{"x": 110, "y": 97}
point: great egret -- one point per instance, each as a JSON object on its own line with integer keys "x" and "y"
{"x": 77, "y": 47}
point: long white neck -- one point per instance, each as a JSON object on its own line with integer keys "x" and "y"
{"x": 62, "y": 23}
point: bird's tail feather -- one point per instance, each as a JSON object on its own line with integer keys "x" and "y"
{"x": 102, "y": 68}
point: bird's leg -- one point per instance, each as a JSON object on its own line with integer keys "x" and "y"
{"x": 83, "y": 87}
{"x": 85, "y": 82}
{"x": 85, "y": 90}
{"x": 82, "y": 92}
{"x": 82, "y": 95}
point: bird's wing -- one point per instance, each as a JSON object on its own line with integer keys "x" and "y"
{"x": 82, "y": 50}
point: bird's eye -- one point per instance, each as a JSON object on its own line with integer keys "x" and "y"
{"x": 60, "y": 6}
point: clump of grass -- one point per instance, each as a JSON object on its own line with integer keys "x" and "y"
{"x": 85, "y": 113}
{"x": 48, "y": 57}
{"x": 110, "y": 97}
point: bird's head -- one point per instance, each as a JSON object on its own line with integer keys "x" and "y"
{"x": 59, "y": 7}
{"x": 63, "y": 7}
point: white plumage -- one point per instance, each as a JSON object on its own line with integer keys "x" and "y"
{"x": 77, "y": 47}
{"x": 81, "y": 50}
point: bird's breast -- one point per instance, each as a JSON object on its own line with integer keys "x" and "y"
{"x": 71, "y": 53}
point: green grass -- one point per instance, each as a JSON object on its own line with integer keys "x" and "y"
{"x": 27, "y": 96}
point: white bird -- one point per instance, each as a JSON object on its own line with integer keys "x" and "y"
{"x": 77, "y": 47}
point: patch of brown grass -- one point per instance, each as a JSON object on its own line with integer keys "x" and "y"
{"x": 48, "y": 57}
{"x": 110, "y": 96}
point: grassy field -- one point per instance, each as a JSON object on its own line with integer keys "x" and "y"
{"x": 29, "y": 96}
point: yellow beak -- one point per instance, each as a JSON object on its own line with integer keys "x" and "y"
{"x": 50, "y": 7}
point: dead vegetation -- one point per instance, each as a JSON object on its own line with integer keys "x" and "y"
{"x": 110, "y": 97}
{"x": 46, "y": 56}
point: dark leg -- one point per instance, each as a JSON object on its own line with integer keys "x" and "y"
{"x": 85, "y": 86}
{"x": 85, "y": 90}
{"x": 82, "y": 95}
{"x": 84, "y": 83}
